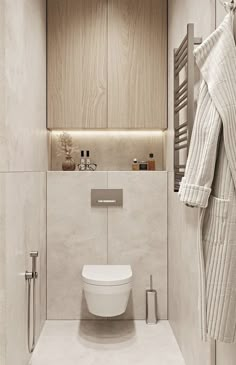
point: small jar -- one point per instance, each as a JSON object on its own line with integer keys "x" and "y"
{"x": 143, "y": 165}
{"x": 135, "y": 165}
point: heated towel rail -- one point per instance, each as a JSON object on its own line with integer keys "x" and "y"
{"x": 183, "y": 101}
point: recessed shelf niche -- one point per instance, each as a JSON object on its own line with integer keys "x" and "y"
{"x": 111, "y": 150}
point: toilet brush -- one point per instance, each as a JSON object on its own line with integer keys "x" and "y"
{"x": 151, "y": 304}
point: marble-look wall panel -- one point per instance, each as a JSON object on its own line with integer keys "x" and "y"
{"x": 2, "y": 84}
{"x": 181, "y": 12}
{"x": 112, "y": 150}
{"x": 183, "y": 221}
{"x": 137, "y": 235}
{"x": 76, "y": 235}
{"x": 3, "y": 322}
{"x": 220, "y": 13}
{"x": 183, "y": 280}
{"x": 23, "y": 228}
{"x": 23, "y": 142}
{"x": 225, "y": 354}
{"x": 23, "y": 147}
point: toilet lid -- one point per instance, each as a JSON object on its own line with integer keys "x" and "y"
{"x": 107, "y": 274}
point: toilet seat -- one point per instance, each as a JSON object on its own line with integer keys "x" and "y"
{"x": 107, "y": 275}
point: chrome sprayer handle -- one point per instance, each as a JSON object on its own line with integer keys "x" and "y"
{"x": 29, "y": 276}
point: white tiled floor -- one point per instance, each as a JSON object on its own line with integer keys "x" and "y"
{"x": 106, "y": 342}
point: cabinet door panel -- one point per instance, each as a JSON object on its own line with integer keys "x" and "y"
{"x": 77, "y": 63}
{"x": 137, "y": 63}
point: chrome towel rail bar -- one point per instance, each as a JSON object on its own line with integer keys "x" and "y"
{"x": 183, "y": 101}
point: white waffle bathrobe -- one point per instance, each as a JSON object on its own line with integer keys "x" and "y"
{"x": 210, "y": 182}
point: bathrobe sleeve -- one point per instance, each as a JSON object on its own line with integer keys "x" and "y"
{"x": 195, "y": 187}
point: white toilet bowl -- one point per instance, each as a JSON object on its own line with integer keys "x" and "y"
{"x": 107, "y": 288}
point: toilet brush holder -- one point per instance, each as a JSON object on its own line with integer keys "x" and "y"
{"x": 151, "y": 304}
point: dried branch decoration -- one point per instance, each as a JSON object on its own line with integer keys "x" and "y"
{"x": 65, "y": 144}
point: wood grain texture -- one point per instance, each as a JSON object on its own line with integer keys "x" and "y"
{"x": 137, "y": 63}
{"x": 77, "y": 63}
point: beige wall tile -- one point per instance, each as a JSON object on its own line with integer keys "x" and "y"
{"x": 220, "y": 13}
{"x": 180, "y": 13}
{"x": 137, "y": 235}
{"x": 76, "y": 235}
{"x": 23, "y": 144}
{"x": 183, "y": 279}
{"x": 225, "y": 354}
{"x": 23, "y": 147}
{"x": 2, "y": 274}
{"x": 182, "y": 221}
{"x": 182, "y": 242}
{"x": 23, "y": 214}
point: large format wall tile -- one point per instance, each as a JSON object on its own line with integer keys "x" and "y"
{"x": 137, "y": 235}
{"x": 183, "y": 279}
{"x": 23, "y": 142}
{"x": 23, "y": 147}
{"x": 2, "y": 273}
{"x": 23, "y": 228}
{"x": 76, "y": 235}
{"x": 181, "y": 12}
{"x": 183, "y": 221}
{"x": 225, "y": 353}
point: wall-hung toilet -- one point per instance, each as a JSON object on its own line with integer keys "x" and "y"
{"x": 107, "y": 288}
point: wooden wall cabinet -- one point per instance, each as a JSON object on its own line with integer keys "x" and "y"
{"x": 77, "y": 64}
{"x": 137, "y": 64}
{"x": 107, "y": 64}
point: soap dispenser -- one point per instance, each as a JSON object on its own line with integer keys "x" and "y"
{"x": 88, "y": 161}
{"x": 151, "y": 162}
{"x": 82, "y": 161}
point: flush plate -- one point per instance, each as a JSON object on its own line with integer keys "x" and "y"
{"x": 107, "y": 197}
